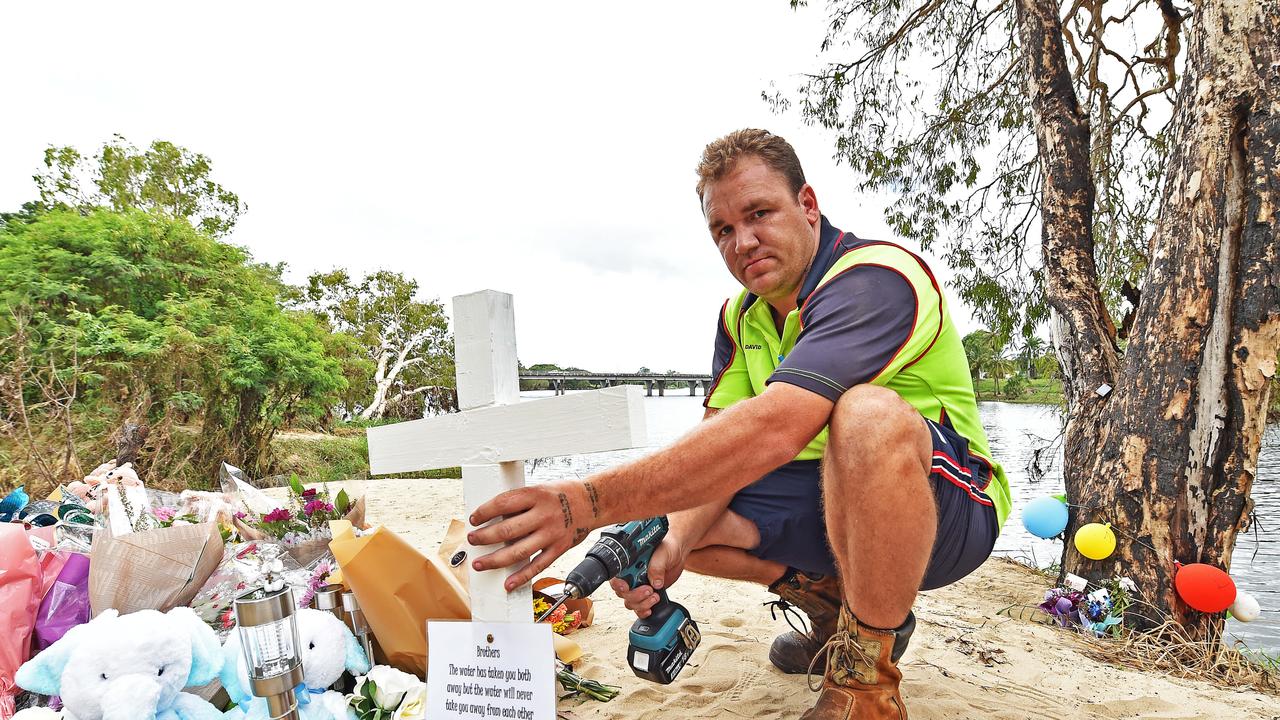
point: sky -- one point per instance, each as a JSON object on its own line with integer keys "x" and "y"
{"x": 546, "y": 150}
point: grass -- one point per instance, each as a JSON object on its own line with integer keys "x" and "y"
{"x": 328, "y": 458}
{"x": 1046, "y": 391}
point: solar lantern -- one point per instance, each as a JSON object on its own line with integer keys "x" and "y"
{"x": 269, "y": 637}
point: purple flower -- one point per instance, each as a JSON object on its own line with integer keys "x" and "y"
{"x": 240, "y": 515}
{"x": 309, "y": 493}
{"x": 316, "y": 506}
{"x": 278, "y": 515}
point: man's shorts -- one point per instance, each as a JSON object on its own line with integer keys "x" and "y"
{"x": 786, "y": 506}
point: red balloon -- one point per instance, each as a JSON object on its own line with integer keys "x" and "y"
{"x": 1205, "y": 587}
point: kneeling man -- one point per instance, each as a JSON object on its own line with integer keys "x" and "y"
{"x": 842, "y": 462}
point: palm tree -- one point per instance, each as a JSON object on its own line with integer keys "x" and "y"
{"x": 983, "y": 351}
{"x": 1032, "y": 348}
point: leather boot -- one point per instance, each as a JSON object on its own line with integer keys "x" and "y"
{"x": 862, "y": 676}
{"x": 820, "y": 599}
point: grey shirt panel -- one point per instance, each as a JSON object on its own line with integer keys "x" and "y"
{"x": 853, "y": 327}
{"x": 723, "y": 354}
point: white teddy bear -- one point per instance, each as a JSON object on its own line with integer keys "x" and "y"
{"x": 129, "y": 667}
{"x": 326, "y": 646}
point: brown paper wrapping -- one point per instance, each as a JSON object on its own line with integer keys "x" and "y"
{"x": 399, "y": 589}
{"x": 156, "y": 569}
{"x": 455, "y": 541}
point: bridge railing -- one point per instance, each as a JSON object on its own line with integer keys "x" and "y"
{"x": 558, "y": 381}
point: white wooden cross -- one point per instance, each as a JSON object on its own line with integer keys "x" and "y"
{"x": 495, "y": 432}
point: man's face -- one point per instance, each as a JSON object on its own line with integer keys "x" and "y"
{"x": 766, "y": 234}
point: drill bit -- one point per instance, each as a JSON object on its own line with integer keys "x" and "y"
{"x": 558, "y": 603}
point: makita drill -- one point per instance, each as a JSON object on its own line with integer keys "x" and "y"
{"x": 660, "y": 644}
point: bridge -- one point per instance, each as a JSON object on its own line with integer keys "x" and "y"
{"x": 651, "y": 381}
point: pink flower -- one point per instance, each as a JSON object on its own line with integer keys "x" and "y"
{"x": 240, "y": 515}
{"x": 316, "y": 506}
{"x": 278, "y": 515}
{"x": 165, "y": 514}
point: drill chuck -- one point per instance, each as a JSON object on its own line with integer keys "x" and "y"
{"x": 589, "y": 575}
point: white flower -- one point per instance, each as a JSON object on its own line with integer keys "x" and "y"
{"x": 1128, "y": 585}
{"x": 414, "y": 705}
{"x": 390, "y": 685}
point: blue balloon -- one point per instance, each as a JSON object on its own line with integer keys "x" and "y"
{"x": 1045, "y": 517}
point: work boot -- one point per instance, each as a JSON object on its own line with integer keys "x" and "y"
{"x": 862, "y": 677}
{"x": 819, "y": 598}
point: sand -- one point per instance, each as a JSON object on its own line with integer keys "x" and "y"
{"x": 965, "y": 661}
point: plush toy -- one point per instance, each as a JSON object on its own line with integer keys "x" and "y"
{"x": 129, "y": 667}
{"x": 124, "y": 475}
{"x": 38, "y": 714}
{"x": 91, "y": 488}
{"x": 327, "y": 648}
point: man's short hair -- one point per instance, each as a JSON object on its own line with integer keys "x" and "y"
{"x": 720, "y": 157}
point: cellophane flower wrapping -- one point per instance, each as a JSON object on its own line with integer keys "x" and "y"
{"x": 66, "y": 605}
{"x": 20, "y": 586}
{"x": 243, "y": 566}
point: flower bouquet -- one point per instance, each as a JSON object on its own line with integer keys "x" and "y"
{"x": 302, "y": 524}
{"x": 243, "y": 565}
{"x": 388, "y": 694}
{"x": 562, "y": 621}
{"x": 1100, "y": 612}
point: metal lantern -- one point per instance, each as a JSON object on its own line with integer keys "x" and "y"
{"x": 269, "y": 637}
{"x": 329, "y": 599}
{"x": 356, "y": 621}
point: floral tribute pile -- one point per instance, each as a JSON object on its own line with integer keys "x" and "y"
{"x": 1099, "y": 613}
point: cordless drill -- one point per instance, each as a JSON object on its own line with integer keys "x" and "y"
{"x": 659, "y": 645}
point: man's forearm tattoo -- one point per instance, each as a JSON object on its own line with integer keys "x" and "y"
{"x": 595, "y": 499}
{"x": 564, "y": 508}
{"x": 579, "y": 535}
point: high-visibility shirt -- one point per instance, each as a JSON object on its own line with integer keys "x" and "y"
{"x": 868, "y": 312}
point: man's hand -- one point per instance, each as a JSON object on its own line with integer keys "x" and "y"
{"x": 545, "y": 519}
{"x": 665, "y": 568}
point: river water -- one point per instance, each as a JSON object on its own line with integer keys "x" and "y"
{"x": 1015, "y": 431}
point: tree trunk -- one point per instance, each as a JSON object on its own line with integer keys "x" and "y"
{"x": 1170, "y": 455}
{"x": 129, "y": 441}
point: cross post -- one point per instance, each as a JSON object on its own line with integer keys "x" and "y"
{"x": 495, "y": 433}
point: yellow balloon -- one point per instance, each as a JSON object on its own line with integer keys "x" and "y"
{"x": 1096, "y": 541}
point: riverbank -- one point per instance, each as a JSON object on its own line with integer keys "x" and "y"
{"x": 1042, "y": 391}
{"x": 967, "y": 659}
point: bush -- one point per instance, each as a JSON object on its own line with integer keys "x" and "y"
{"x": 1015, "y": 387}
{"x": 140, "y": 318}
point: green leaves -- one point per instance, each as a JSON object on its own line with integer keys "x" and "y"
{"x": 165, "y": 178}
{"x": 927, "y": 101}
{"x": 364, "y": 705}
{"x": 384, "y": 332}
{"x": 342, "y": 503}
{"x": 162, "y": 322}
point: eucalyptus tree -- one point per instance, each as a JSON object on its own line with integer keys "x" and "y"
{"x": 405, "y": 341}
{"x": 164, "y": 178}
{"x": 1108, "y": 166}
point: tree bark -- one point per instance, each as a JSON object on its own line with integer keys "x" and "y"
{"x": 129, "y": 441}
{"x": 1169, "y": 456}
